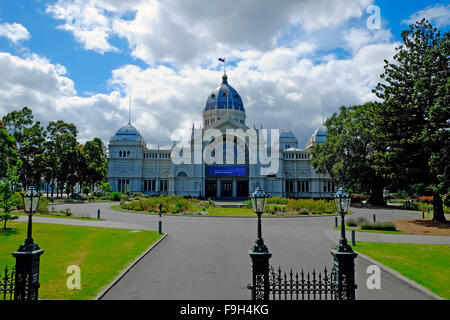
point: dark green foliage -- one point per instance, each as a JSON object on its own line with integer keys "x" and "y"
{"x": 414, "y": 118}
{"x": 349, "y": 154}
{"x": 386, "y": 226}
{"x": 115, "y": 196}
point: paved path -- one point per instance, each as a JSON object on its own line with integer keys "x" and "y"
{"x": 207, "y": 257}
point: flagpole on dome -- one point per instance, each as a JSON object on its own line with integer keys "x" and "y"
{"x": 224, "y": 73}
{"x": 129, "y": 111}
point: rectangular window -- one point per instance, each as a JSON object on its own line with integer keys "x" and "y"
{"x": 302, "y": 186}
{"x": 163, "y": 185}
{"x": 289, "y": 186}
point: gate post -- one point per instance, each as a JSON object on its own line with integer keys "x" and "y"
{"x": 344, "y": 270}
{"x": 260, "y": 256}
{"x": 27, "y": 272}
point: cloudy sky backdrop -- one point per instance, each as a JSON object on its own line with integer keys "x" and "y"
{"x": 80, "y": 60}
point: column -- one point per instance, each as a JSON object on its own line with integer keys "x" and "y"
{"x": 218, "y": 187}
{"x": 234, "y": 188}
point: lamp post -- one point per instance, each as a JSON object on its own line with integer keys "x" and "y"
{"x": 259, "y": 254}
{"x": 28, "y": 254}
{"x": 344, "y": 256}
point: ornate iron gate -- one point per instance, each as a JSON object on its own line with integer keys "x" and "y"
{"x": 302, "y": 286}
{"x": 7, "y": 284}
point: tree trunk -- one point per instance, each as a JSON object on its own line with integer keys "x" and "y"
{"x": 376, "y": 196}
{"x": 438, "y": 209}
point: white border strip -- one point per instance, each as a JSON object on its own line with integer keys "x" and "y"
{"x": 112, "y": 284}
{"x": 402, "y": 277}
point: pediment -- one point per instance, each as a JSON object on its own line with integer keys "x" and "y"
{"x": 229, "y": 123}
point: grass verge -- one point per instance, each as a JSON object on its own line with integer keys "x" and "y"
{"x": 101, "y": 253}
{"x": 58, "y": 216}
{"x": 425, "y": 264}
{"x": 226, "y": 212}
{"x": 370, "y": 231}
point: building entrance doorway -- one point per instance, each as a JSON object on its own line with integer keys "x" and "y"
{"x": 226, "y": 188}
{"x": 242, "y": 189}
{"x": 211, "y": 188}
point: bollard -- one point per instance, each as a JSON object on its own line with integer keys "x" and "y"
{"x": 353, "y": 238}
{"x": 98, "y": 214}
{"x": 160, "y": 227}
{"x": 374, "y": 218}
{"x": 336, "y": 222}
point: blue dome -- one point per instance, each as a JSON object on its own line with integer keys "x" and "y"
{"x": 128, "y": 132}
{"x": 224, "y": 95}
{"x": 318, "y": 137}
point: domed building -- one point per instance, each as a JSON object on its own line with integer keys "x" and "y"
{"x": 286, "y": 172}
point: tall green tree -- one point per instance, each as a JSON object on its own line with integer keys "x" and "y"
{"x": 414, "y": 122}
{"x": 349, "y": 153}
{"x": 30, "y": 141}
{"x": 8, "y": 150}
{"x": 96, "y": 165}
{"x": 63, "y": 142}
{"x": 9, "y": 164}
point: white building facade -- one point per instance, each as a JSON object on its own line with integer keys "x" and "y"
{"x": 134, "y": 167}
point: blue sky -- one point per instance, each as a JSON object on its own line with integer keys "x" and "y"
{"x": 80, "y": 60}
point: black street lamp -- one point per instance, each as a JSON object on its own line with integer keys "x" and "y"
{"x": 344, "y": 256}
{"x": 342, "y": 200}
{"x": 260, "y": 254}
{"x": 28, "y": 254}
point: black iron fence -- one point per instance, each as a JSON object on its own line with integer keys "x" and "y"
{"x": 302, "y": 286}
{"x": 7, "y": 284}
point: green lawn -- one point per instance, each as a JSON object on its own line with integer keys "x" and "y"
{"x": 58, "y": 216}
{"x": 227, "y": 212}
{"x": 427, "y": 265}
{"x": 371, "y": 231}
{"x": 100, "y": 253}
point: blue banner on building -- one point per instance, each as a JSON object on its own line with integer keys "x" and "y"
{"x": 229, "y": 172}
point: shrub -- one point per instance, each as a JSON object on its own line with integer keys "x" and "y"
{"x": 386, "y": 226}
{"x": 86, "y": 190}
{"x": 43, "y": 205}
{"x": 277, "y": 200}
{"x": 303, "y": 211}
{"x": 313, "y": 206}
{"x": 361, "y": 220}
{"x": 115, "y": 196}
{"x": 389, "y": 226}
{"x": 78, "y": 196}
{"x": 351, "y": 223}
{"x": 409, "y": 205}
{"x": 366, "y": 226}
{"x": 67, "y": 212}
{"x": 18, "y": 200}
{"x": 248, "y": 204}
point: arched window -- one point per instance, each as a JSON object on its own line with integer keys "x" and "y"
{"x": 120, "y": 154}
{"x": 182, "y": 174}
{"x": 128, "y": 153}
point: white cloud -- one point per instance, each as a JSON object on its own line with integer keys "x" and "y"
{"x": 191, "y": 31}
{"x": 438, "y": 15}
{"x": 357, "y": 38}
{"x": 276, "y": 82}
{"x": 14, "y": 32}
